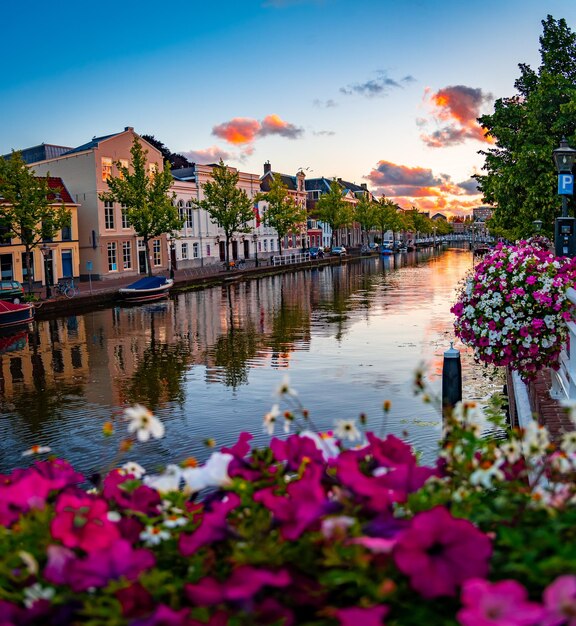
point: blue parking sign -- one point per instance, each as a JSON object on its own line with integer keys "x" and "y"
{"x": 565, "y": 184}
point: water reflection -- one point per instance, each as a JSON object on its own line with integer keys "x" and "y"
{"x": 207, "y": 361}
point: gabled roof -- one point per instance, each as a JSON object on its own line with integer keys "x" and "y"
{"x": 92, "y": 144}
{"x": 317, "y": 184}
{"x": 288, "y": 181}
{"x": 56, "y": 183}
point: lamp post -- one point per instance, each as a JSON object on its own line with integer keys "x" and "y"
{"x": 255, "y": 240}
{"x": 564, "y": 230}
{"x": 46, "y": 252}
{"x": 537, "y": 225}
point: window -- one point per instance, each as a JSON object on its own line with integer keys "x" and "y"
{"x": 265, "y": 245}
{"x": 125, "y": 222}
{"x": 189, "y": 215}
{"x": 106, "y": 168}
{"x": 112, "y": 266}
{"x": 208, "y": 250}
{"x": 184, "y": 250}
{"x": 195, "y": 250}
{"x": 24, "y": 270}
{"x": 123, "y": 163}
{"x": 66, "y": 233}
{"x": 127, "y": 255}
{"x": 156, "y": 252}
{"x": 108, "y": 215}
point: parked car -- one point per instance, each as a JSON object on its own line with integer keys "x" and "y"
{"x": 338, "y": 251}
{"x": 314, "y": 252}
{"x": 12, "y": 291}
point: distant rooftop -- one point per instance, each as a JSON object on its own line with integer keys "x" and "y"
{"x": 41, "y": 152}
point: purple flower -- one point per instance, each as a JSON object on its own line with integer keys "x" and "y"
{"x": 213, "y": 526}
{"x": 165, "y": 616}
{"x": 560, "y": 602}
{"x": 142, "y": 498}
{"x": 503, "y": 603}
{"x": 355, "y": 616}
{"x": 294, "y": 449}
{"x": 117, "y": 561}
{"x": 244, "y": 583}
{"x": 439, "y": 552}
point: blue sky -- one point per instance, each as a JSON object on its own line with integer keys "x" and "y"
{"x": 377, "y": 91}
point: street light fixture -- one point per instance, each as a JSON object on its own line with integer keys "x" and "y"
{"x": 255, "y": 240}
{"x": 537, "y": 224}
{"x": 564, "y": 227}
{"x": 46, "y": 252}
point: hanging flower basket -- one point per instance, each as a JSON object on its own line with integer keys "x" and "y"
{"x": 512, "y": 309}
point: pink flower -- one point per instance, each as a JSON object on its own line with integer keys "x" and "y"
{"x": 244, "y": 583}
{"x": 213, "y": 526}
{"x": 560, "y": 602}
{"x": 439, "y": 552}
{"x": 356, "y": 616}
{"x": 503, "y": 603}
{"x": 82, "y": 522}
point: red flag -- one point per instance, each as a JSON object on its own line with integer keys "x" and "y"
{"x": 256, "y": 214}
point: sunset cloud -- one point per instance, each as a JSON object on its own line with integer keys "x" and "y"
{"x": 379, "y": 86}
{"x": 245, "y": 130}
{"x": 213, "y": 154}
{"x": 455, "y": 111}
{"x": 420, "y": 187}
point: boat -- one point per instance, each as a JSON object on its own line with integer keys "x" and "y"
{"x": 13, "y": 315}
{"x": 146, "y": 289}
{"x": 13, "y": 340}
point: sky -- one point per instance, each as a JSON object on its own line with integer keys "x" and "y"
{"x": 383, "y": 92}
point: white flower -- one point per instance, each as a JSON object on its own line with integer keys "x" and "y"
{"x": 486, "y": 476}
{"x": 511, "y": 450}
{"x": 535, "y": 441}
{"x": 570, "y": 406}
{"x": 30, "y": 562}
{"x": 270, "y": 419}
{"x": 568, "y": 443}
{"x": 469, "y": 412}
{"x": 143, "y": 423}
{"x": 346, "y": 429}
{"x": 284, "y": 389}
{"x": 174, "y": 521}
{"x": 37, "y": 450}
{"x": 113, "y": 516}
{"x": 334, "y": 525}
{"x": 169, "y": 480}
{"x": 214, "y": 473}
{"x": 133, "y": 468}
{"x": 153, "y": 535}
{"x": 37, "y": 592}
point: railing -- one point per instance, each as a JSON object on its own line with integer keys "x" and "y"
{"x": 289, "y": 259}
{"x": 564, "y": 380}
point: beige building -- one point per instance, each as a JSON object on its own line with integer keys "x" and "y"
{"x": 108, "y": 245}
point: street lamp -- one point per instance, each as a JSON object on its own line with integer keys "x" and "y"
{"x": 255, "y": 240}
{"x": 537, "y": 225}
{"x": 564, "y": 227}
{"x": 46, "y": 252}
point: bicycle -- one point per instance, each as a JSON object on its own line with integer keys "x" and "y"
{"x": 67, "y": 289}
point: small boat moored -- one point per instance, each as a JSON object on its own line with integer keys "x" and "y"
{"x": 14, "y": 315}
{"x": 147, "y": 289}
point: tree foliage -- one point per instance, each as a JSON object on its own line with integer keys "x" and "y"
{"x": 365, "y": 215}
{"x": 332, "y": 209}
{"x": 283, "y": 213}
{"x": 31, "y": 210}
{"x": 228, "y": 206}
{"x": 520, "y": 176}
{"x": 146, "y": 196}
{"x": 175, "y": 160}
{"x": 387, "y": 216}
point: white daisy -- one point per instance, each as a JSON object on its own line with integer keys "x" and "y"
{"x": 143, "y": 423}
{"x": 346, "y": 429}
{"x": 270, "y": 419}
{"x": 37, "y": 450}
{"x": 153, "y": 535}
{"x": 133, "y": 468}
{"x": 284, "y": 389}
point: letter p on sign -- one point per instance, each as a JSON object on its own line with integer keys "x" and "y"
{"x": 565, "y": 184}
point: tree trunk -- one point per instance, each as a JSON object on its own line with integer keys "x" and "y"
{"x": 148, "y": 264}
{"x": 28, "y": 272}
{"x": 227, "y": 252}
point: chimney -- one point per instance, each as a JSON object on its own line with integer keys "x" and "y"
{"x": 128, "y": 128}
{"x": 267, "y": 168}
{"x": 364, "y": 186}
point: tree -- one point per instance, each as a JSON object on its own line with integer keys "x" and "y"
{"x": 175, "y": 160}
{"x": 520, "y": 177}
{"x": 332, "y": 208}
{"x": 146, "y": 196}
{"x": 31, "y": 211}
{"x": 365, "y": 215}
{"x": 283, "y": 213}
{"x": 228, "y": 206}
{"x": 386, "y": 217}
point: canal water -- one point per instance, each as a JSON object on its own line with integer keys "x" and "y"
{"x": 208, "y": 362}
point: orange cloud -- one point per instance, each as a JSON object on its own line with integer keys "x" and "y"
{"x": 455, "y": 110}
{"x": 419, "y": 187}
{"x": 244, "y": 130}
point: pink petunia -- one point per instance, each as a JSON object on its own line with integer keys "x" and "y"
{"x": 504, "y": 603}
{"x": 439, "y": 552}
{"x": 359, "y": 616}
{"x": 560, "y": 602}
